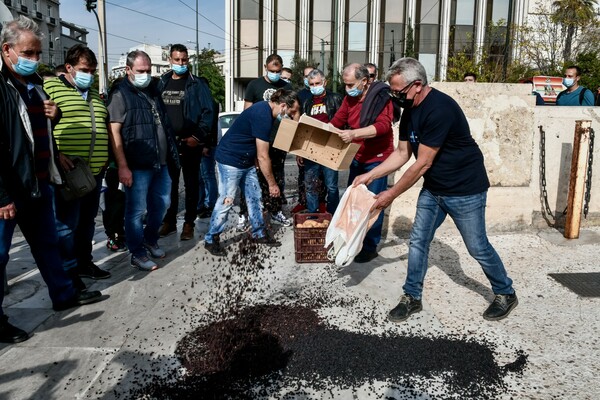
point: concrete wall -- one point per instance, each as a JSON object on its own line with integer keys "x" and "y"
{"x": 505, "y": 123}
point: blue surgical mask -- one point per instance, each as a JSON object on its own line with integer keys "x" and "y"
{"x": 354, "y": 92}
{"x": 24, "y": 66}
{"x": 306, "y": 85}
{"x": 83, "y": 80}
{"x": 273, "y": 76}
{"x": 141, "y": 81}
{"x": 317, "y": 90}
{"x": 179, "y": 69}
{"x": 568, "y": 82}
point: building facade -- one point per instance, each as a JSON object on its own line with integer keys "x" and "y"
{"x": 335, "y": 32}
{"x": 71, "y": 35}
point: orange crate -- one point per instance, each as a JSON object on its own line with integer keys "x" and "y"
{"x": 309, "y": 242}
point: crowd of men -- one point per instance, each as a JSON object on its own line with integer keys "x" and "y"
{"x": 148, "y": 132}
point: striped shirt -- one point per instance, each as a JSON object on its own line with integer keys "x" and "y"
{"x": 73, "y": 133}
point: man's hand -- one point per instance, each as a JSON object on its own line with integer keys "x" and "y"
{"x": 125, "y": 176}
{"x": 8, "y": 212}
{"x": 383, "y": 200}
{"x": 190, "y": 142}
{"x": 274, "y": 191}
{"x": 65, "y": 162}
{"x": 206, "y": 152}
{"x": 50, "y": 109}
{"x": 347, "y": 135}
{"x": 300, "y": 161}
{"x": 365, "y": 179}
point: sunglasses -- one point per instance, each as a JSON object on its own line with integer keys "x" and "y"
{"x": 404, "y": 90}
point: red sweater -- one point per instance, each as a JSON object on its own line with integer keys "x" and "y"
{"x": 377, "y": 148}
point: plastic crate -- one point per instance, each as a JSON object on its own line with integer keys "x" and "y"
{"x": 309, "y": 242}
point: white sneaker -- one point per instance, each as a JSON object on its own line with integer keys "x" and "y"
{"x": 242, "y": 225}
{"x": 281, "y": 219}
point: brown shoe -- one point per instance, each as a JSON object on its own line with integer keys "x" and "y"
{"x": 188, "y": 231}
{"x": 166, "y": 229}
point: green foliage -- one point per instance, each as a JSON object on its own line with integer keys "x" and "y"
{"x": 590, "y": 70}
{"x": 572, "y": 15}
{"x": 297, "y": 66}
{"x": 207, "y": 68}
{"x": 409, "y": 49}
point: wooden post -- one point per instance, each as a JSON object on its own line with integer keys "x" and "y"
{"x": 579, "y": 164}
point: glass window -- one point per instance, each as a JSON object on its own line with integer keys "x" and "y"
{"x": 286, "y": 9}
{"x": 49, "y": 10}
{"x": 429, "y": 61}
{"x": 321, "y": 30}
{"x": 427, "y": 37}
{"x": 463, "y": 12}
{"x": 35, "y": 5}
{"x": 498, "y": 10}
{"x": 394, "y": 11}
{"x": 249, "y": 33}
{"x": 358, "y": 10}
{"x": 357, "y": 36}
{"x": 249, "y": 63}
{"x": 249, "y": 9}
{"x": 386, "y": 48}
{"x": 322, "y": 10}
{"x": 462, "y": 38}
{"x": 286, "y": 34}
{"x": 356, "y": 57}
{"x": 428, "y": 12}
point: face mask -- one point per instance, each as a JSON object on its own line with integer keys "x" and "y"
{"x": 24, "y": 66}
{"x": 306, "y": 85}
{"x": 402, "y": 101}
{"x": 317, "y": 90}
{"x": 83, "y": 80}
{"x": 273, "y": 76}
{"x": 354, "y": 92}
{"x": 282, "y": 115}
{"x": 285, "y": 80}
{"x": 568, "y": 82}
{"x": 179, "y": 69}
{"x": 141, "y": 80}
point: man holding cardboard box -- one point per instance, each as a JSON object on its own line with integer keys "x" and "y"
{"x": 365, "y": 118}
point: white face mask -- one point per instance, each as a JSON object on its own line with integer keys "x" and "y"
{"x": 141, "y": 80}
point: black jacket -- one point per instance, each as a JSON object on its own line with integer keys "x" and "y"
{"x": 375, "y": 101}
{"x": 17, "y": 168}
{"x": 139, "y": 132}
{"x": 200, "y": 110}
{"x": 333, "y": 101}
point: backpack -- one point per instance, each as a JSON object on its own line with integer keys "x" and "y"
{"x": 581, "y": 95}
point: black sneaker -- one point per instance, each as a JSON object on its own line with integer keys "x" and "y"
{"x": 204, "y": 212}
{"x": 502, "y": 305}
{"x": 92, "y": 271}
{"x": 268, "y": 240}
{"x": 408, "y": 305}
{"x": 365, "y": 256}
{"x": 10, "y": 333}
{"x": 80, "y": 299}
{"x": 215, "y": 248}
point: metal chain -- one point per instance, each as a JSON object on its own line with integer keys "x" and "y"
{"x": 544, "y": 192}
{"x": 588, "y": 181}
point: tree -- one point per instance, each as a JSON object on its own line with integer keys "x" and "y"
{"x": 409, "y": 49}
{"x": 208, "y": 69}
{"x": 572, "y": 15}
{"x": 297, "y": 66}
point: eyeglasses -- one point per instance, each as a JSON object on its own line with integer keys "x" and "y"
{"x": 404, "y": 90}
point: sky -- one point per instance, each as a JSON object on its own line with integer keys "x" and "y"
{"x": 162, "y": 22}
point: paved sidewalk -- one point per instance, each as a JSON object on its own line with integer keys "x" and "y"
{"x": 103, "y": 350}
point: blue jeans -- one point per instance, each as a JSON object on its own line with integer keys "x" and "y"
{"x": 151, "y": 192}
{"x": 75, "y": 223}
{"x": 373, "y": 236}
{"x": 230, "y": 179}
{"x": 312, "y": 172}
{"x": 468, "y": 214}
{"x": 35, "y": 218}
{"x": 209, "y": 189}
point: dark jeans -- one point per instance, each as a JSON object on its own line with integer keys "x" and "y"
{"x": 271, "y": 204}
{"x": 373, "y": 236}
{"x": 314, "y": 186}
{"x": 190, "y": 158}
{"x": 35, "y": 218}
{"x": 209, "y": 189}
{"x": 75, "y": 224}
{"x": 113, "y": 216}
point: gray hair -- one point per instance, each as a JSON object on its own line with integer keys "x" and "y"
{"x": 411, "y": 69}
{"x": 134, "y": 55}
{"x": 360, "y": 71}
{"x": 12, "y": 31}
{"x": 316, "y": 73}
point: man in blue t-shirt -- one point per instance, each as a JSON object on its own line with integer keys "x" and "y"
{"x": 434, "y": 129}
{"x": 575, "y": 94}
{"x": 246, "y": 142}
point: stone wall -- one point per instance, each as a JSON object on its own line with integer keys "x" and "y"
{"x": 506, "y": 124}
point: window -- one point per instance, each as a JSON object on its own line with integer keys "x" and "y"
{"x": 50, "y": 10}
{"x": 249, "y": 9}
{"x": 35, "y": 6}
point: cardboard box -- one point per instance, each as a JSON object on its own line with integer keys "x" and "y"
{"x": 314, "y": 140}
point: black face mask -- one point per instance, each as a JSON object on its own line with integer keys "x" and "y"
{"x": 401, "y": 101}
